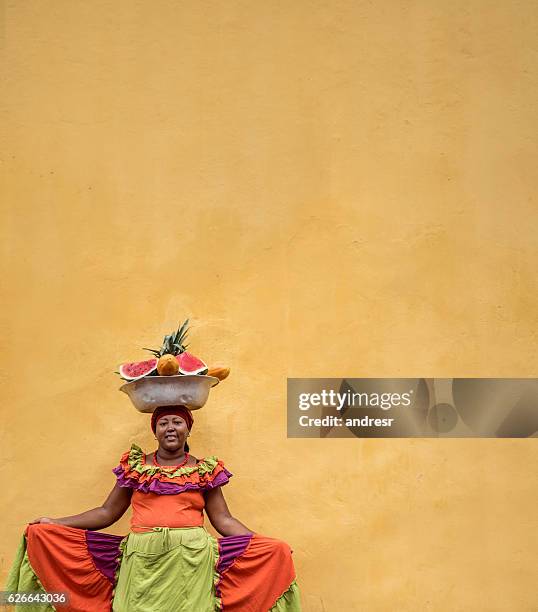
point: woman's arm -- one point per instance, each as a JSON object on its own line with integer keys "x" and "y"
{"x": 112, "y": 509}
{"x": 220, "y": 517}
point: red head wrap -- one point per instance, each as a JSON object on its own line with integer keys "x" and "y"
{"x": 181, "y": 411}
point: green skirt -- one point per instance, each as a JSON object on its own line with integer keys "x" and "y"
{"x": 184, "y": 559}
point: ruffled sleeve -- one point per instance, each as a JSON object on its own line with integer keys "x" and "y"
{"x": 134, "y": 473}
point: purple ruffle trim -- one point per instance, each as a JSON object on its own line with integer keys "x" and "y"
{"x": 169, "y": 488}
{"x": 231, "y": 547}
{"x": 104, "y": 549}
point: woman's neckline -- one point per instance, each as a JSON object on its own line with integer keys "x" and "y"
{"x": 178, "y": 466}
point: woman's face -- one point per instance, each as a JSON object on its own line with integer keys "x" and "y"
{"x": 171, "y": 432}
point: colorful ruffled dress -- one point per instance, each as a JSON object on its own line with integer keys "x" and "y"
{"x": 167, "y": 563}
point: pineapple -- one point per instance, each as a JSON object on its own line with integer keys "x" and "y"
{"x": 174, "y": 351}
{"x": 172, "y": 346}
{"x": 173, "y": 343}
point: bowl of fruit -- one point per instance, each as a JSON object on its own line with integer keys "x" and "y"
{"x": 173, "y": 377}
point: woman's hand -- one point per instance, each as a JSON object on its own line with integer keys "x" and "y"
{"x": 44, "y": 519}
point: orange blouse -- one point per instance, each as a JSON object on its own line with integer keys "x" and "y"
{"x": 153, "y": 510}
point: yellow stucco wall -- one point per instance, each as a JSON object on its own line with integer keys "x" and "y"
{"x": 339, "y": 188}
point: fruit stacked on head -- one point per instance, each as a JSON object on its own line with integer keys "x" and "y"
{"x": 167, "y": 365}
{"x": 220, "y": 372}
{"x": 170, "y": 359}
{"x": 173, "y": 352}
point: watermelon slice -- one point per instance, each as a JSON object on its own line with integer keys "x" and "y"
{"x": 189, "y": 364}
{"x": 138, "y": 369}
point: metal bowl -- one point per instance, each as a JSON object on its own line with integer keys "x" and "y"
{"x": 150, "y": 392}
